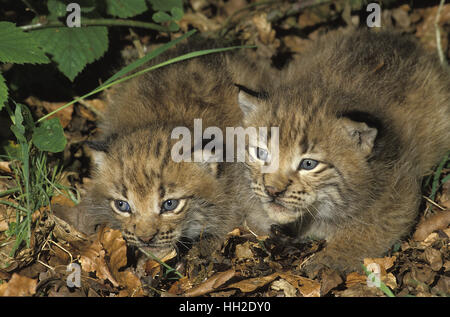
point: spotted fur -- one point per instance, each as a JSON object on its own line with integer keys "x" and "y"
{"x": 373, "y": 109}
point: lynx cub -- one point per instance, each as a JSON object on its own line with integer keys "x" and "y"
{"x": 137, "y": 187}
{"x": 362, "y": 117}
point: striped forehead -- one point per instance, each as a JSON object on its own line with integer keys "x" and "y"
{"x": 141, "y": 164}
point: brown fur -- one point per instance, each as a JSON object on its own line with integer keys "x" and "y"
{"x": 133, "y": 161}
{"x": 373, "y": 109}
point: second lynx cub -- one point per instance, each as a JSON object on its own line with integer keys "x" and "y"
{"x": 361, "y": 117}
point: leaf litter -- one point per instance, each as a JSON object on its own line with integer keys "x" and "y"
{"x": 245, "y": 265}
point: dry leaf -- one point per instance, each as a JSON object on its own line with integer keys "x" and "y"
{"x": 243, "y": 251}
{"x": 18, "y": 286}
{"x": 355, "y": 278}
{"x": 330, "y": 279}
{"x": 252, "y": 284}
{"x": 434, "y": 258}
{"x": 198, "y": 20}
{"x": 211, "y": 284}
{"x": 64, "y": 115}
{"x": 306, "y": 286}
{"x": 62, "y": 200}
{"x": 180, "y": 286}
{"x": 4, "y": 167}
{"x": 385, "y": 263}
{"x": 285, "y": 286}
{"x": 92, "y": 259}
{"x": 390, "y": 280}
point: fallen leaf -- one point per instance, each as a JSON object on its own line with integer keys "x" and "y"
{"x": 252, "y": 284}
{"x": 307, "y": 287}
{"x": 285, "y": 286}
{"x": 180, "y": 286}
{"x": 92, "y": 259}
{"x": 355, "y": 278}
{"x": 434, "y": 258}
{"x": 211, "y": 284}
{"x": 62, "y": 200}
{"x": 18, "y": 286}
{"x": 199, "y": 21}
{"x": 64, "y": 115}
{"x": 390, "y": 280}
{"x": 330, "y": 279}
{"x": 386, "y": 263}
{"x": 243, "y": 251}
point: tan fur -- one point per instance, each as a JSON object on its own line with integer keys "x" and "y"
{"x": 137, "y": 166}
{"x": 364, "y": 194}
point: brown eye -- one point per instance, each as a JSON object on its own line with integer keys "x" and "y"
{"x": 308, "y": 164}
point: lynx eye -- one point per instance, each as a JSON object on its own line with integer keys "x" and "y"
{"x": 308, "y": 164}
{"x": 262, "y": 154}
{"x": 259, "y": 153}
{"x": 122, "y": 206}
{"x": 169, "y": 205}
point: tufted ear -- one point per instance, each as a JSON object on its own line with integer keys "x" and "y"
{"x": 363, "y": 135}
{"x": 99, "y": 148}
{"x": 248, "y": 99}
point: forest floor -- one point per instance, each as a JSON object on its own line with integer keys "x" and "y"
{"x": 246, "y": 265}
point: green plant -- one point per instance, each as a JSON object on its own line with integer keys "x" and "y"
{"x": 36, "y": 182}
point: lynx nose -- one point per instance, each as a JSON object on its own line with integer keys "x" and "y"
{"x": 147, "y": 239}
{"x": 273, "y": 192}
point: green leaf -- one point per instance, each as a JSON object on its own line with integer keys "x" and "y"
{"x": 125, "y": 8}
{"x": 73, "y": 48}
{"x": 3, "y": 92}
{"x": 18, "y": 128}
{"x": 49, "y": 136}
{"x": 166, "y": 5}
{"x": 173, "y": 27}
{"x": 160, "y": 17}
{"x": 19, "y": 47}
{"x": 177, "y": 13}
{"x": 56, "y": 8}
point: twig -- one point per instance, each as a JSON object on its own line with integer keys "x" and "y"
{"x": 433, "y": 203}
{"x": 97, "y": 22}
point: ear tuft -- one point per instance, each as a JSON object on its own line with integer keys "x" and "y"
{"x": 361, "y": 133}
{"x": 98, "y": 150}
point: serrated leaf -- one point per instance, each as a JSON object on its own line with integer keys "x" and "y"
{"x": 125, "y": 8}
{"x": 19, "y": 47}
{"x": 166, "y": 5}
{"x": 160, "y": 17}
{"x": 3, "y": 92}
{"x": 73, "y": 48}
{"x": 49, "y": 136}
